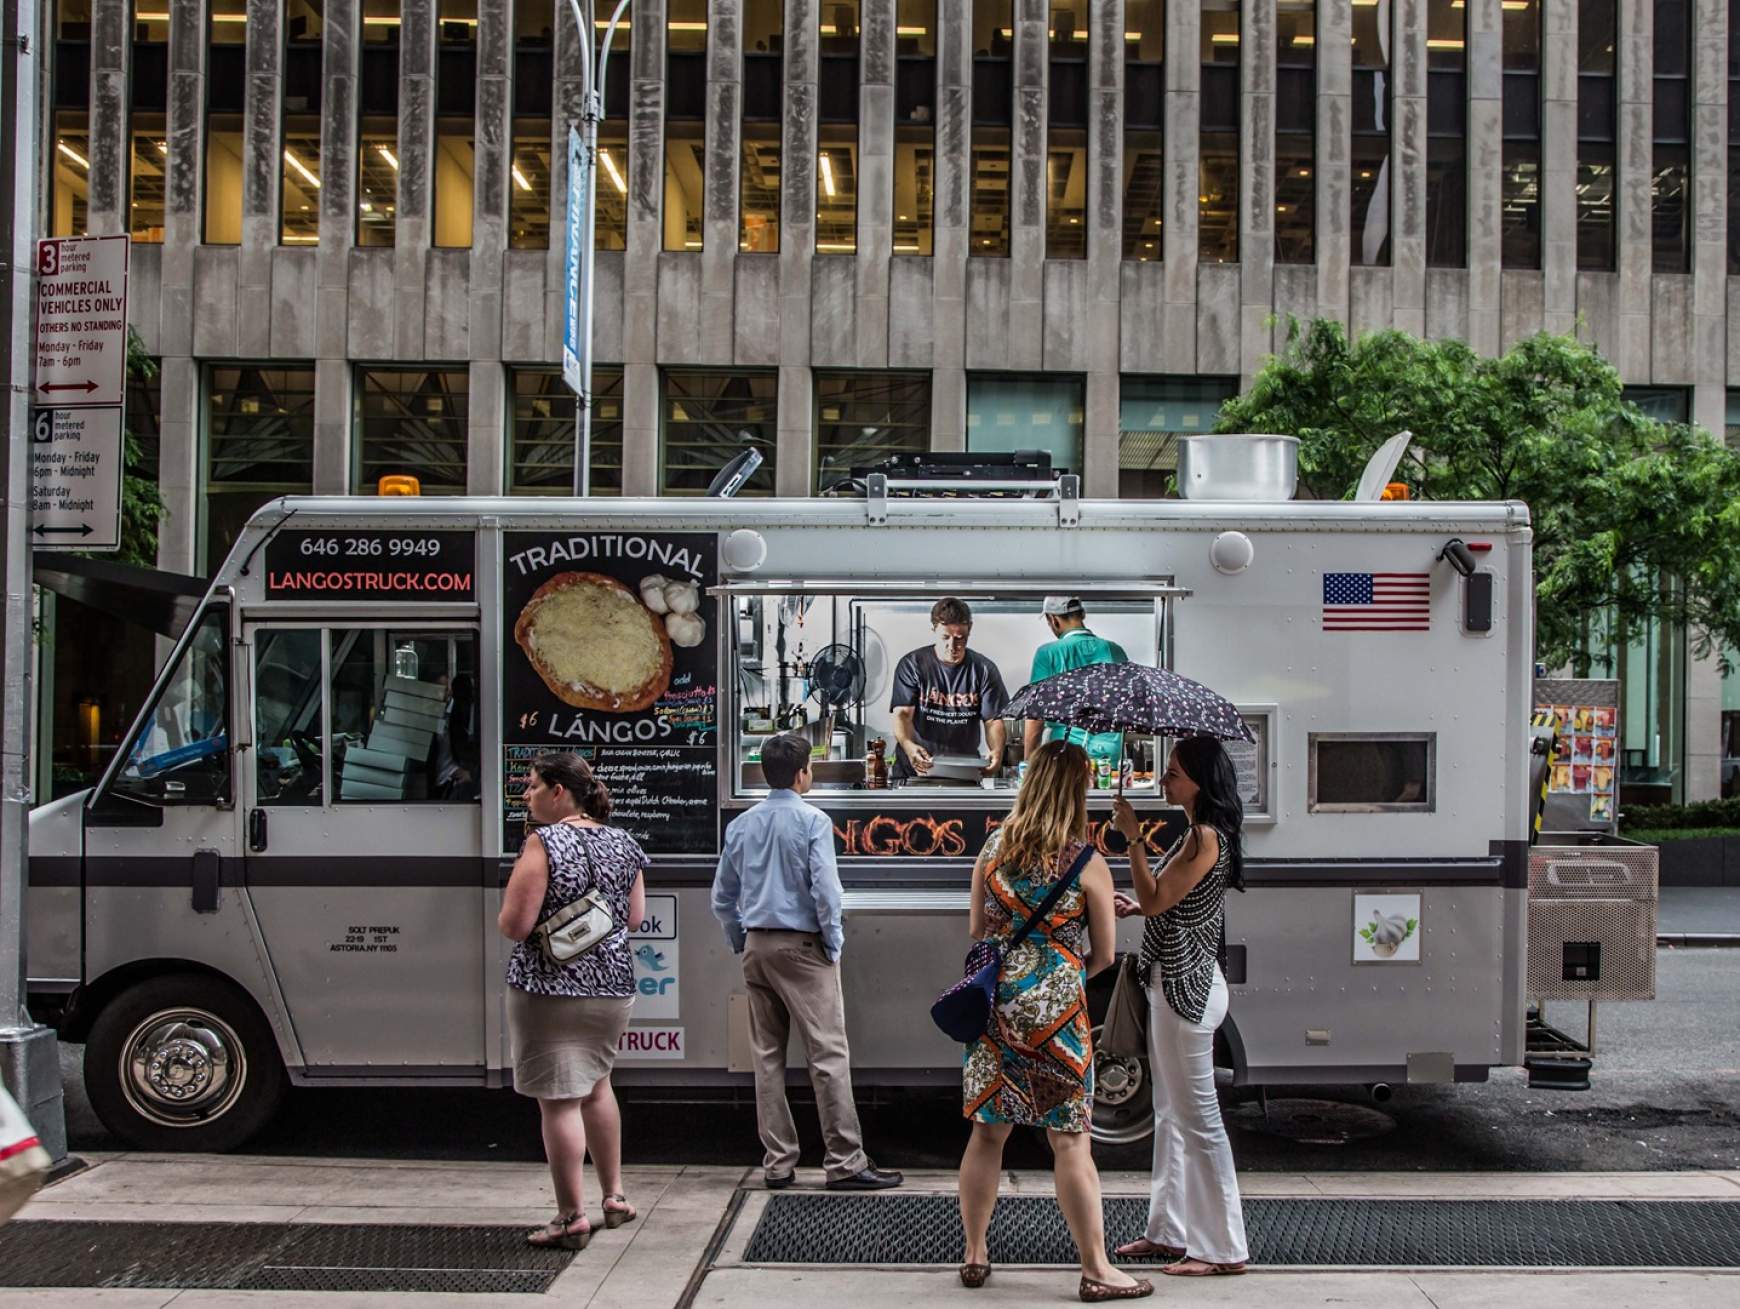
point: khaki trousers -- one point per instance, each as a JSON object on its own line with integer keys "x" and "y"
{"x": 792, "y": 984}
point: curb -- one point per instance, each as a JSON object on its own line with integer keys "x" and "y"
{"x": 1698, "y": 940}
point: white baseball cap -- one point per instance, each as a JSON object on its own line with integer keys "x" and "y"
{"x": 1061, "y": 604}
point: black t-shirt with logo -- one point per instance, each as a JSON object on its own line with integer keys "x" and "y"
{"x": 948, "y": 702}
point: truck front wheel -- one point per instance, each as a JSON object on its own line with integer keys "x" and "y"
{"x": 183, "y": 1062}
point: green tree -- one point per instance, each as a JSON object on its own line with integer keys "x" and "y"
{"x": 1633, "y": 518}
{"x": 141, "y": 503}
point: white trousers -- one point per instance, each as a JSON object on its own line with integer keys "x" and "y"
{"x": 1195, "y": 1199}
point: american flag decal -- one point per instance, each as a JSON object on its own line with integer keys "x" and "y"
{"x": 1377, "y": 602}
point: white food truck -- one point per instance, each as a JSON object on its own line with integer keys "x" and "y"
{"x": 291, "y": 870}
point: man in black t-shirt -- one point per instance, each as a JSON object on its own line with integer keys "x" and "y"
{"x": 942, "y": 693}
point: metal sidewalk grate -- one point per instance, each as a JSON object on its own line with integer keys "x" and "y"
{"x": 275, "y": 1257}
{"x": 926, "y": 1229}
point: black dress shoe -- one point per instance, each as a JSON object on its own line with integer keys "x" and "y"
{"x": 778, "y": 1181}
{"x": 870, "y": 1178}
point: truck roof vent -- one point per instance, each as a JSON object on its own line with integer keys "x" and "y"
{"x": 1241, "y": 466}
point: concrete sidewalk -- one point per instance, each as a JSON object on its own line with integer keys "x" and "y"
{"x": 682, "y": 1244}
{"x": 1697, "y": 915}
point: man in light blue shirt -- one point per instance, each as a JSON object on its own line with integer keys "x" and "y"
{"x": 777, "y": 895}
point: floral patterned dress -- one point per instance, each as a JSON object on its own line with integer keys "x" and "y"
{"x": 1035, "y": 1064}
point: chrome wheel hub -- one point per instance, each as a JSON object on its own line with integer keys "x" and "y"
{"x": 182, "y": 1067}
{"x": 1122, "y": 1115}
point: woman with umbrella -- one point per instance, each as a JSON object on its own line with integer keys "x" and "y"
{"x": 1194, "y": 1212}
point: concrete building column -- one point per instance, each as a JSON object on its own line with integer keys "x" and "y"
{"x": 333, "y": 377}
{"x": 262, "y": 175}
{"x": 109, "y": 146}
{"x": 877, "y": 45}
{"x": 178, "y": 472}
{"x": 1632, "y": 193}
{"x": 1334, "y": 189}
{"x": 1408, "y": 166}
{"x": 951, "y": 233}
{"x": 1710, "y": 216}
{"x": 1027, "y": 187}
{"x": 646, "y": 184}
{"x": 1559, "y": 164}
{"x": 1256, "y": 183}
{"x": 486, "y": 428}
{"x": 491, "y": 192}
{"x": 414, "y": 230}
{"x": 724, "y": 153}
{"x": 1485, "y": 172}
{"x": 797, "y": 246}
{"x": 1105, "y": 246}
{"x": 1182, "y": 186}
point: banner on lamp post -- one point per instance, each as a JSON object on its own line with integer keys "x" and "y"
{"x": 571, "y": 315}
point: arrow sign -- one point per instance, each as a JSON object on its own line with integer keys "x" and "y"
{"x": 86, "y": 386}
{"x": 75, "y": 479}
{"x": 83, "y": 529}
{"x": 80, "y": 352}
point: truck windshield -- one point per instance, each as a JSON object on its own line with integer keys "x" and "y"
{"x": 181, "y": 754}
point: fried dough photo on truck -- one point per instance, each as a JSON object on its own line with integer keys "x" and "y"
{"x": 595, "y": 644}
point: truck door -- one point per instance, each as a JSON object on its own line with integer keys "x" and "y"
{"x": 363, "y": 842}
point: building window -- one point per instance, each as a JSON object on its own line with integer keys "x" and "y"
{"x": 864, "y": 418}
{"x": 914, "y": 126}
{"x": 149, "y": 96}
{"x": 1671, "y": 179}
{"x": 145, "y": 421}
{"x": 377, "y": 155}
{"x": 1446, "y": 134}
{"x": 1372, "y": 92}
{"x": 534, "y": 84}
{"x": 1218, "y": 140}
{"x": 1598, "y": 132}
{"x": 1006, "y": 413}
{"x": 455, "y": 122}
{"x": 1296, "y": 128}
{"x": 837, "y": 131}
{"x": 1144, "y": 129}
{"x": 1665, "y": 404}
{"x": 541, "y": 441}
{"x": 1521, "y": 166}
{"x": 259, "y": 444}
{"x": 1153, "y": 412}
{"x": 226, "y": 78}
{"x": 685, "y": 122}
{"x": 993, "y": 107}
{"x": 1731, "y": 429}
{"x": 299, "y": 192}
{"x": 763, "y": 108}
{"x": 412, "y": 420}
{"x": 711, "y": 417}
{"x": 1066, "y": 162}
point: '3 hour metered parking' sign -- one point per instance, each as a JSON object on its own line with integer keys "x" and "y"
{"x": 571, "y": 324}
{"x": 79, "y": 386}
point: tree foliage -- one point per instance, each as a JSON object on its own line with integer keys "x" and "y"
{"x": 1633, "y": 518}
{"x": 141, "y": 502}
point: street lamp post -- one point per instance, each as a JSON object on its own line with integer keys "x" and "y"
{"x": 591, "y": 114}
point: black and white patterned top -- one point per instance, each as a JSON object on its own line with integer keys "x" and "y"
{"x": 1185, "y": 939}
{"x": 605, "y": 970}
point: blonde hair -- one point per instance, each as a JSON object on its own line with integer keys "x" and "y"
{"x": 1050, "y": 809}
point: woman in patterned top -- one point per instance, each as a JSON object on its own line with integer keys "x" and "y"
{"x": 566, "y": 1019}
{"x": 1194, "y": 1213}
{"x": 1035, "y": 1063}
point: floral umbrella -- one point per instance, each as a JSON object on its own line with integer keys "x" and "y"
{"x": 1130, "y": 698}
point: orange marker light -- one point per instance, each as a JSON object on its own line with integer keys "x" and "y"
{"x": 1395, "y": 491}
{"x": 399, "y": 484}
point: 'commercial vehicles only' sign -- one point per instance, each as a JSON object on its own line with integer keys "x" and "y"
{"x": 77, "y": 423}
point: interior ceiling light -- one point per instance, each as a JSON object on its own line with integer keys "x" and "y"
{"x": 389, "y": 156}
{"x": 520, "y": 179}
{"x": 827, "y": 176}
{"x": 615, "y": 173}
{"x": 73, "y": 155}
{"x": 301, "y": 168}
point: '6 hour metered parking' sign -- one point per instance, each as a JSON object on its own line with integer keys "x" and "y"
{"x": 79, "y": 390}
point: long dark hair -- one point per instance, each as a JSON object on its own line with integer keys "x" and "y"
{"x": 1206, "y": 762}
{"x": 575, "y": 776}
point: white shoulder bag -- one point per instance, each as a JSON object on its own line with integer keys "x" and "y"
{"x": 578, "y": 925}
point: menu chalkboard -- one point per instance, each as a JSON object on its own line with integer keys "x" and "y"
{"x": 611, "y": 651}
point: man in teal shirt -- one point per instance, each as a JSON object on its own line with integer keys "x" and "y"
{"x": 1075, "y": 647}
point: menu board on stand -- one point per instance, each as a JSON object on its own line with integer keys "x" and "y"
{"x": 1583, "y": 773}
{"x": 611, "y": 652}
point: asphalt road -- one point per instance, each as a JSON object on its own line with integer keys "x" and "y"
{"x": 1666, "y": 1095}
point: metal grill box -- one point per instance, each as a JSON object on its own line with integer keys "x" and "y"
{"x": 1592, "y": 900}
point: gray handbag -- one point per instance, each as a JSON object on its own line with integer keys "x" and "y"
{"x": 1124, "y": 1031}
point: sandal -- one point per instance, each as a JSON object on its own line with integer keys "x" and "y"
{"x": 558, "y": 1233}
{"x": 1143, "y": 1248}
{"x": 1093, "y": 1290}
{"x": 974, "y": 1276}
{"x": 622, "y": 1212}
{"x": 1202, "y": 1268}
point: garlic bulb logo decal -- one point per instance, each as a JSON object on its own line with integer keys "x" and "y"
{"x": 1386, "y": 932}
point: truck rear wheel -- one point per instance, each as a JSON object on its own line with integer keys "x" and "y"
{"x": 184, "y": 1062}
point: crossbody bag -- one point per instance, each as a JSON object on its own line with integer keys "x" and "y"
{"x": 580, "y": 924}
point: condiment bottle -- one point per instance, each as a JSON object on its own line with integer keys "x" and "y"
{"x": 876, "y": 766}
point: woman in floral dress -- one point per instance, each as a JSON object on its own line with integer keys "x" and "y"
{"x": 1034, "y": 1066}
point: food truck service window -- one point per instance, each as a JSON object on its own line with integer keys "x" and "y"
{"x": 1373, "y": 772}
{"x": 858, "y": 667}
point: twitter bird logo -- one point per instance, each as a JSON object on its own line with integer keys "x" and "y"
{"x": 650, "y": 958}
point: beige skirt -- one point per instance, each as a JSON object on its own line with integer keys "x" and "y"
{"x": 563, "y": 1046}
